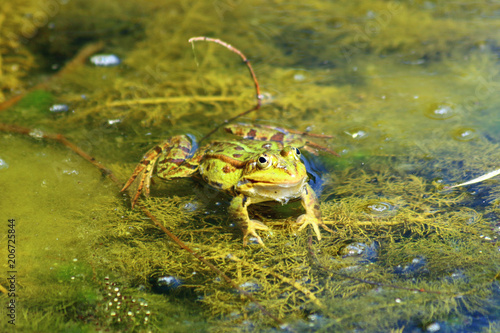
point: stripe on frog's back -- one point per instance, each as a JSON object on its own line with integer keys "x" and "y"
{"x": 243, "y": 145}
{"x": 226, "y": 159}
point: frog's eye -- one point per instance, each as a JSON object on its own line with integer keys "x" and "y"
{"x": 291, "y": 152}
{"x": 264, "y": 161}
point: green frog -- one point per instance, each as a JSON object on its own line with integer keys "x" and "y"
{"x": 265, "y": 165}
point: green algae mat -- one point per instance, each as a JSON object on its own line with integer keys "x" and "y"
{"x": 408, "y": 90}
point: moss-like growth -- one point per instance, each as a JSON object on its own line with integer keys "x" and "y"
{"x": 408, "y": 90}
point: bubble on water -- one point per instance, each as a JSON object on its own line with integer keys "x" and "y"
{"x": 114, "y": 121}
{"x": 357, "y": 133}
{"x": 105, "y": 60}
{"x": 464, "y": 134}
{"x": 434, "y": 327}
{"x": 266, "y": 98}
{"x": 342, "y": 150}
{"x": 166, "y": 284}
{"x": 250, "y": 286}
{"x": 36, "y": 133}
{"x": 169, "y": 281}
{"x": 380, "y": 208}
{"x": 59, "y": 108}
{"x": 70, "y": 172}
{"x": 299, "y": 77}
{"x": 354, "y": 249}
{"x": 3, "y": 164}
{"x": 443, "y": 110}
{"x": 191, "y": 206}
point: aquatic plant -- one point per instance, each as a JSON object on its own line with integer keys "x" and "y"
{"x": 396, "y": 88}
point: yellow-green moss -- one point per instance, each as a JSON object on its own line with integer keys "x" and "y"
{"x": 398, "y": 84}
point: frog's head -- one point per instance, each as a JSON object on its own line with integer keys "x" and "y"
{"x": 274, "y": 175}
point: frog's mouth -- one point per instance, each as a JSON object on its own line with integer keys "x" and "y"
{"x": 267, "y": 184}
{"x": 261, "y": 191}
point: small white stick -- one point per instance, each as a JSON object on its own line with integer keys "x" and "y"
{"x": 478, "y": 179}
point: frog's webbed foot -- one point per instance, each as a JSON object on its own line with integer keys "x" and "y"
{"x": 174, "y": 152}
{"x": 305, "y": 220}
{"x": 250, "y": 229}
{"x": 238, "y": 210}
{"x": 313, "y": 213}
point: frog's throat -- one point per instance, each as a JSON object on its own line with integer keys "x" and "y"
{"x": 262, "y": 191}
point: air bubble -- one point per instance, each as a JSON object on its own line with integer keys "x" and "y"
{"x": 379, "y": 208}
{"x": 3, "y": 164}
{"x": 59, "y": 108}
{"x": 105, "y": 60}
{"x": 464, "y": 134}
{"x": 36, "y": 133}
{"x": 441, "y": 111}
{"x": 357, "y": 133}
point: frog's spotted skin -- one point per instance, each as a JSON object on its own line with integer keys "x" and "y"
{"x": 251, "y": 171}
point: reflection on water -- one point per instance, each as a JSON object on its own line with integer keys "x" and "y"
{"x": 407, "y": 89}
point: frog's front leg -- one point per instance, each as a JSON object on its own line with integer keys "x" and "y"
{"x": 238, "y": 210}
{"x": 313, "y": 212}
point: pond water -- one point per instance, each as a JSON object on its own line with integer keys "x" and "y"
{"x": 408, "y": 90}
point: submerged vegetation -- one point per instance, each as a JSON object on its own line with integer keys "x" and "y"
{"x": 408, "y": 89}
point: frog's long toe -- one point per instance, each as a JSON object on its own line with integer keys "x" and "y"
{"x": 305, "y": 220}
{"x": 251, "y": 230}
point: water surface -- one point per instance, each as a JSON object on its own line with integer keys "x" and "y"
{"x": 408, "y": 89}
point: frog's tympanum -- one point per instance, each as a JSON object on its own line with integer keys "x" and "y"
{"x": 263, "y": 166}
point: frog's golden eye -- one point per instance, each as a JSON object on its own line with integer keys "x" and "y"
{"x": 290, "y": 152}
{"x": 264, "y": 161}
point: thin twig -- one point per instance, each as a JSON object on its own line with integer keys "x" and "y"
{"x": 238, "y": 52}
{"x": 482, "y": 178}
{"x": 258, "y": 95}
{"x": 60, "y": 138}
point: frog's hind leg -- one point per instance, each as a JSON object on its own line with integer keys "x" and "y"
{"x": 175, "y": 165}
{"x": 169, "y": 154}
{"x": 281, "y": 135}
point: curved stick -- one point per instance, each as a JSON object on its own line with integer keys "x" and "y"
{"x": 238, "y": 52}
{"x": 252, "y": 73}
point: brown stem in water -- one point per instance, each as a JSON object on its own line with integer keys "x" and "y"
{"x": 250, "y": 69}
{"x": 238, "y": 52}
{"x": 60, "y": 138}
